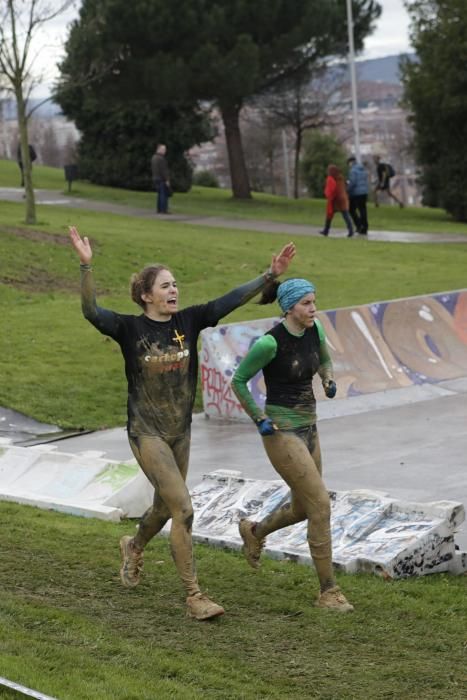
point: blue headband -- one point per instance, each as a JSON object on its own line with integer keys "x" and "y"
{"x": 291, "y": 291}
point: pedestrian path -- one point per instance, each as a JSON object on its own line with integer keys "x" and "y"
{"x": 56, "y": 198}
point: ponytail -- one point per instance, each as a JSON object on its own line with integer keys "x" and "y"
{"x": 269, "y": 293}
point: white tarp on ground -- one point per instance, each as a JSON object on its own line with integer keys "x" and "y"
{"x": 81, "y": 484}
{"x": 370, "y": 531}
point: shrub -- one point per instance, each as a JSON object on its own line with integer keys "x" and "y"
{"x": 204, "y": 178}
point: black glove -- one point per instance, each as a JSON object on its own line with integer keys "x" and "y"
{"x": 330, "y": 389}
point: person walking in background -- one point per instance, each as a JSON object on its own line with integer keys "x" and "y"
{"x": 32, "y": 158}
{"x": 357, "y": 188}
{"x": 384, "y": 173}
{"x": 161, "y": 178}
{"x": 289, "y": 355}
{"x": 337, "y": 200}
{"x": 159, "y": 347}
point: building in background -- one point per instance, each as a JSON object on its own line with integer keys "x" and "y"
{"x": 53, "y": 136}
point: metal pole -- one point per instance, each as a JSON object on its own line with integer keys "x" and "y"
{"x": 353, "y": 81}
{"x": 286, "y": 163}
{"x": 28, "y": 692}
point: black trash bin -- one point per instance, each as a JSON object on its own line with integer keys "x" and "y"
{"x": 71, "y": 173}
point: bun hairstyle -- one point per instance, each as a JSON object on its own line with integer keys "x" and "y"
{"x": 142, "y": 282}
{"x": 269, "y": 293}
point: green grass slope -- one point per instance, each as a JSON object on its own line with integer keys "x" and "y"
{"x": 69, "y": 629}
{"x": 57, "y": 368}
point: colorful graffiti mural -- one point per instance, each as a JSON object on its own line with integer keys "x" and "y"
{"x": 376, "y": 347}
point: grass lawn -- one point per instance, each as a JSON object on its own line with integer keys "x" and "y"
{"x": 202, "y": 201}
{"x": 57, "y": 368}
{"x": 69, "y": 629}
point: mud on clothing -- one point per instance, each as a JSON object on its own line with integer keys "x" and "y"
{"x": 161, "y": 359}
{"x": 289, "y": 363}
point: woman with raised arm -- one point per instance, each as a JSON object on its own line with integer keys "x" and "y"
{"x": 289, "y": 355}
{"x": 159, "y": 348}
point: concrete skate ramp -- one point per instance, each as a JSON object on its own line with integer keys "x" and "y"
{"x": 81, "y": 484}
{"x": 371, "y": 532}
{"x": 374, "y": 348}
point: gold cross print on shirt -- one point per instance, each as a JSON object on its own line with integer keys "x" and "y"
{"x": 179, "y": 339}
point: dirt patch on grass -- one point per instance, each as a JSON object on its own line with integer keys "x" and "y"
{"x": 32, "y": 235}
{"x": 36, "y": 280}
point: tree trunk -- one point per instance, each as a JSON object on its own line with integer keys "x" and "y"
{"x": 27, "y": 165}
{"x": 296, "y": 167}
{"x": 238, "y": 172}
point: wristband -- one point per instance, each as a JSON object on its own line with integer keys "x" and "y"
{"x": 269, "y": 275}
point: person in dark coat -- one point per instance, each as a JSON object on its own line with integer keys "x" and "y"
{"x": 384, "y": 173}
{"x": 32, "y": 158}
{"x": 161, "y": 178}
{"x": 357, "y": 188}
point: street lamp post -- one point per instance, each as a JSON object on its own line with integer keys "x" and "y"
{"x": 353, "y": 82}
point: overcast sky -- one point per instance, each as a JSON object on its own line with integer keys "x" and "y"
{"x": 392, "y": 31}
{"x": 390, "y": 37}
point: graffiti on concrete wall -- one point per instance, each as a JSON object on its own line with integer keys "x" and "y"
{"x": 376, "y": 347}
{"x": 370, "y": 531}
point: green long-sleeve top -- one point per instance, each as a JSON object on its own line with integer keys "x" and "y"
{"x": 289, "y": 363}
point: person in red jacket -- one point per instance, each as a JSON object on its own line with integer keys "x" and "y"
{"x": 337, "y": 200}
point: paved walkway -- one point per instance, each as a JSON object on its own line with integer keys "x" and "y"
{"x": 51, "y": 197}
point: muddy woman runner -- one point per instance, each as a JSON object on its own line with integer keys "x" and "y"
{"x": 289, "y": 356}
{"x": 159, "y": 347}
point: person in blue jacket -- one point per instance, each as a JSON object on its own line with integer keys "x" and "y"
{"x": 357, "y": 188}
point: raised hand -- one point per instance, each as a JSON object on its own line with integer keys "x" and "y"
{"x": 81, "y": 245}
{"x": 281, "y": 262}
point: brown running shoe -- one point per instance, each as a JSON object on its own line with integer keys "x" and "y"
{"x": 334, "y": 599}
{"x": 252, "y": 546}
{"x": 200, "y": 607}
{"x": 132, "y": 562}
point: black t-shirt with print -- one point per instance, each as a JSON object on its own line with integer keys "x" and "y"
{"x": 161, "y": 367}
{"x": 161, "y": 358}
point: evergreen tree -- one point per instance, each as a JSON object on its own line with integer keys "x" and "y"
{"x": 119, "y": 113}
{"x": 320, "y": 150}
{"x": 222, "y": 51}
{"x": 436, "y": 92}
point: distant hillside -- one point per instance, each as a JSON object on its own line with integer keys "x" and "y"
{"x": 45, "y": 111}
{"x": 385, "y": 70}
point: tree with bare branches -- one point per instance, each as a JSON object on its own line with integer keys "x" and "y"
{"x": 303, "y": 103}
{"x": 20, "y": 21}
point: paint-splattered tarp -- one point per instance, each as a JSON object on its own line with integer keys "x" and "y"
{"x": 370, "y": 531}
{"x": 376, "y": 347}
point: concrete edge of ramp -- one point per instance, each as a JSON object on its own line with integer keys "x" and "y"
{"x": 371, "y": 532}
{"x": 84, "y": 484}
